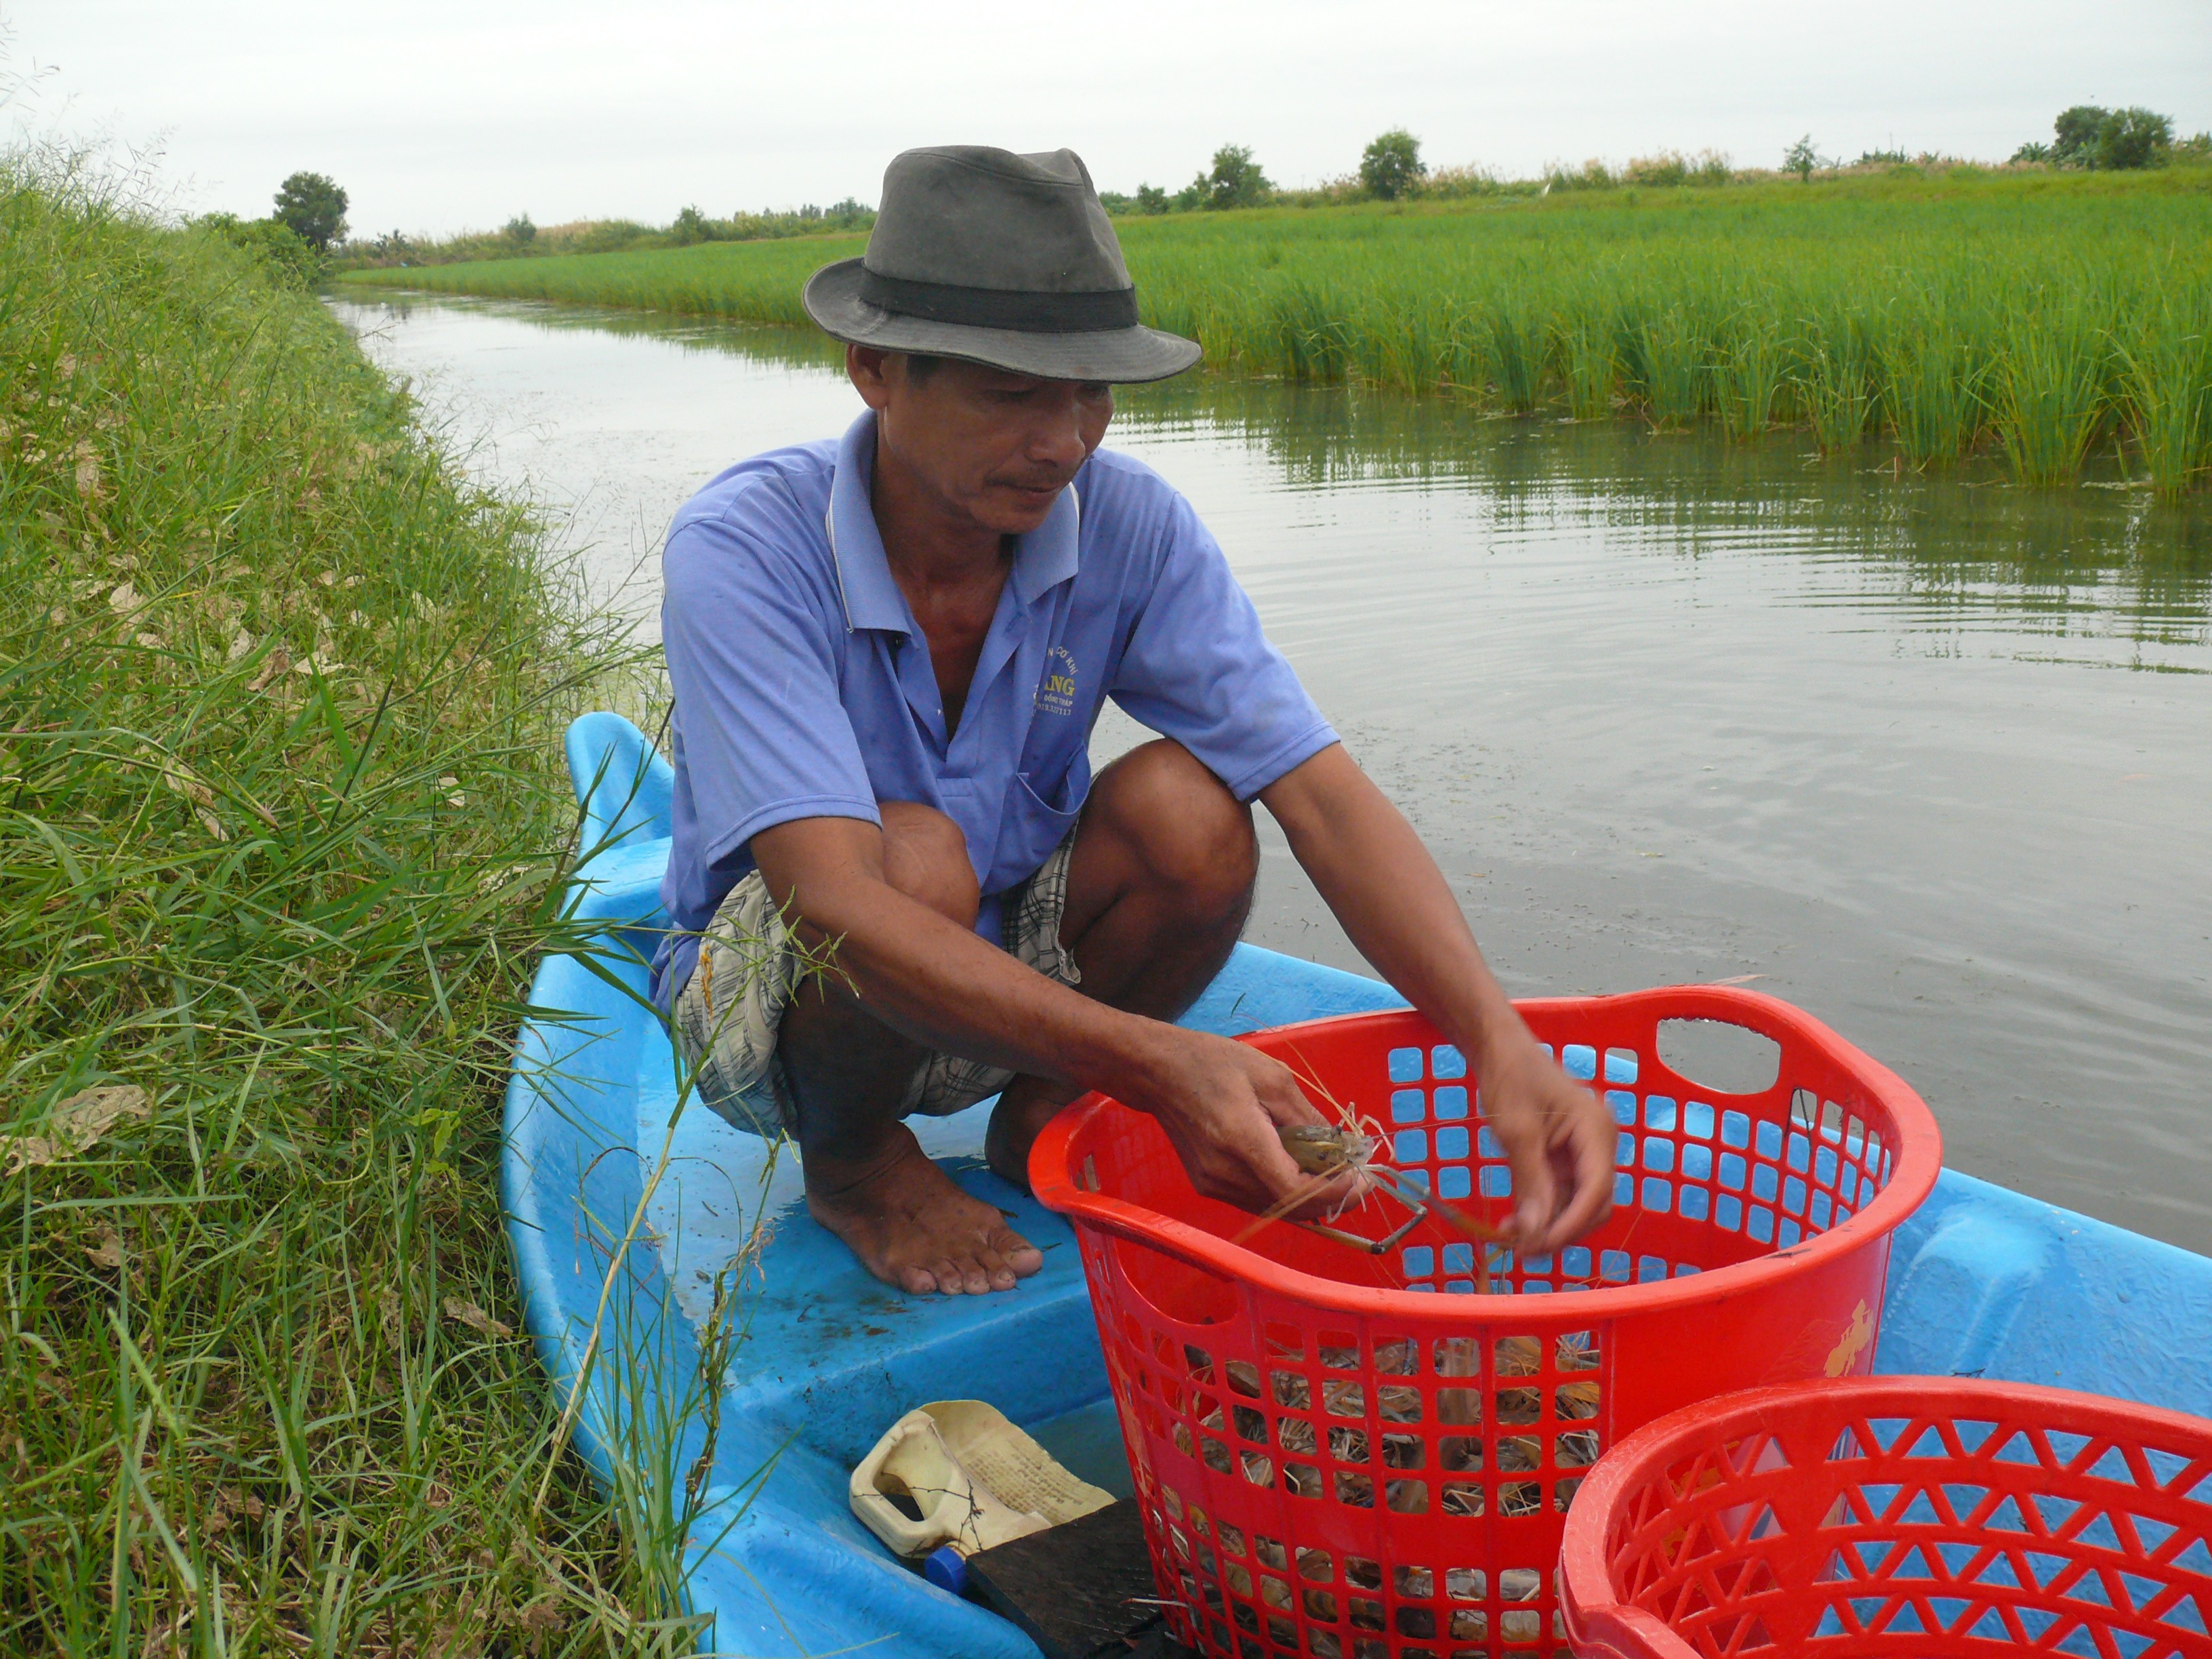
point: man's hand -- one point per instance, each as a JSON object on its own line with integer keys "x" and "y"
{"x": 1222, "y": 1105}
{"x": 1559, "y": 1138}
{"x": 1396, "y": 907}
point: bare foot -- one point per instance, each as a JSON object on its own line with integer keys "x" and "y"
{"x": 1017, "y": 1120}
{"x": 911, "y": 1227}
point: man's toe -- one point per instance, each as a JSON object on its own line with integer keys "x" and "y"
{"x": 951, "y": 1281}
{"x": 918, "y": 1281}
{"x": 1021, "y": 1256}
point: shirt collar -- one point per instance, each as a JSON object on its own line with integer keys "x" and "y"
{"x": 872, "y": 598}
{"x": 1043, "y": 559}
{"x": 1047, "y": 556}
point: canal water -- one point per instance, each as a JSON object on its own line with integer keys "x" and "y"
{"x": 1930, "y": 757}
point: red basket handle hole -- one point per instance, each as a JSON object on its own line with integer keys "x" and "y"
{"x": 1720, "y": 1056}
{"x": 1172, "y": 1288}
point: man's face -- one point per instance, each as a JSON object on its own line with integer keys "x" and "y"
{"x": 993, "y": 447}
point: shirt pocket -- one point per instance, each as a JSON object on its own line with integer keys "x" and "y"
{"x": 1040, "y": 820}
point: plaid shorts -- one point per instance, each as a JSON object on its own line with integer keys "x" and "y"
{"x": 726, "y": 1016}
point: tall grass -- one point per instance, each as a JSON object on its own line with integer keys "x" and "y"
{"x": 1912, "y": 310}
{"x": 1748, "y": 374}
{"x": 2166, "y": 367}
{"x": 1673, "y": 357}
{"x": 1517, "y": 358}
{"x": 2051, "y": 380}
{"x": 281, "y": 827}
{"x": 1833, "y": 372}
{"x": 1932, "y": 390}
{"x": 1583, "y": 352}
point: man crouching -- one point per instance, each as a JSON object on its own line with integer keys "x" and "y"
{"x": 888, "y": 653}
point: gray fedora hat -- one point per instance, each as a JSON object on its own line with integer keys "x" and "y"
{"x": 999, "y": 258}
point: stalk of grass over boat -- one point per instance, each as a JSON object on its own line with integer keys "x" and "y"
{"x": 281, "y": 831}
{"x": 1868, "y": 307}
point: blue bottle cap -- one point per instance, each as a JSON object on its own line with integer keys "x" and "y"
{"x": 947, "y": 1569}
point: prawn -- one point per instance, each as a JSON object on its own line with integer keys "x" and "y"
{"x": 1326, "y": 1152}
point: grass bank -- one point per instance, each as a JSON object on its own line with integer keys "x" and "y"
{"x": 280, "y": 821}
{"x": 2051, "y": 314}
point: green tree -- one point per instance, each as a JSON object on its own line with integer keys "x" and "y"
{"x": 2134, "y": 138}
{"x": 2077, "y": 130}
{"x": 1391, "y": 164}
{"x": 1801, "y": 158}
{"x": 313, "y": 207}
{"x": 1236, "y": 181}
{"x": 2113, "y": 140}
{"x": 1151, "y": 198}
{"x": 520, "y": 231}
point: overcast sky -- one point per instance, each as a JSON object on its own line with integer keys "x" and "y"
{"x": 438, "y": 115}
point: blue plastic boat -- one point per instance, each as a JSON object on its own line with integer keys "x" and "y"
{"x": 628, "y": 1218}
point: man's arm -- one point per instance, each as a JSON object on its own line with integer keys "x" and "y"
{"x": 1219, "y": 1102}
{"x": 1396, "y": 907}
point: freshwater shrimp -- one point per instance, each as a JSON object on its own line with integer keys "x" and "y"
{"x": 1326, "y": 1152}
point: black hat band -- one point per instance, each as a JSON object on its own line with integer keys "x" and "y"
{"x": 1091, "y": 312}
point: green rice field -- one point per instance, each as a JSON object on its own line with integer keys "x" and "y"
{"x": 2050, "y": 318}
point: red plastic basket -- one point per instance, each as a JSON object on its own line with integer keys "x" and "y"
{"x": 1337, "y": 1456}
{"x": 1917, "y": 1516}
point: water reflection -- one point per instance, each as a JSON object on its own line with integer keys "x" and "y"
{"x": 1961, "y": 541}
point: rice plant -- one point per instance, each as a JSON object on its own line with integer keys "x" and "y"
{"x": 1835, "y": 372}
{"x": 2050, "y": 379}
{"x": 1883, "y": 307}
{"x": 1464, "y": 360}
{"x": 1748, "y": 374}
{"x": 1582, "y": 348}
{"x": 1517, "y": 358}
{"x": 2166, "y": 375}
{"x": 1674, "y": 355}
{"x": 1932, "y": 392}
{"x": 1312, "y": 335}
{"x": 1412, "y": 355}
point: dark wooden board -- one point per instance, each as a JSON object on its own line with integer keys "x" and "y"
{"x": 1154, "y": 1641}
{"x": 1081, "y": 1591}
